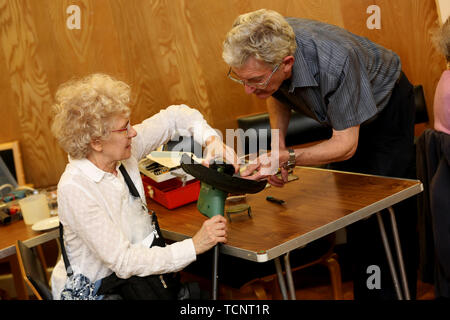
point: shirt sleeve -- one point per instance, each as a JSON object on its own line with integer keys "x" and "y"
{"x": 170, "y": 123}
{"x": 352, "y": 102}
{"x": 83, "y": 217}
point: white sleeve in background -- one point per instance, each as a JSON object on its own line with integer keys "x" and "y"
{"x": 175, "y": 121}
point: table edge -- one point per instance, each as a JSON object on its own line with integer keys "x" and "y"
{"x": 32, "y": 242}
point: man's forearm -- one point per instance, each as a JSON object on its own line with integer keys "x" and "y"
{"x": 341, "y": 146}
{"x": 279, "y": 119}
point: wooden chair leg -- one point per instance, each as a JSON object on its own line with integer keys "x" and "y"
{"x": 259, "y": 290}
{"x": 19, "y": 282}
{"x": 335, "y": 275}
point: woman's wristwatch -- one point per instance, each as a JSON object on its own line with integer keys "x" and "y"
{"x": 291, "y": 161}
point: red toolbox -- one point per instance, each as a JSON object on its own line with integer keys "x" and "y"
{"x": 171, "y": 193}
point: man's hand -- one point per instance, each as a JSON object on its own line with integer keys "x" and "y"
{"x": 213, "y": 231}
{"x": 266, "y": 166}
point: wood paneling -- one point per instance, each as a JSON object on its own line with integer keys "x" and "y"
{"x": 170, "y": 52}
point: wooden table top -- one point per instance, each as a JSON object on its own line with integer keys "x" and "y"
{"x": 18, "y": 230}
{"x": 318, "y": 203}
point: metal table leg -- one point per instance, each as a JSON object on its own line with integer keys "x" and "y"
{"x": 281, "y": 278}
{"x": 290, "y": 281}
{"x": 399, "y": 254}
{"x": 389, "y": 256}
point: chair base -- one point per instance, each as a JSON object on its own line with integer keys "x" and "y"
{"x": 267, "y": 288}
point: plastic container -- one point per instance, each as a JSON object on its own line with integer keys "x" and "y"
{"x": 34, "y": 208}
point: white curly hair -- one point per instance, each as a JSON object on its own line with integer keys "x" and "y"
{"x": 84, "y": 111}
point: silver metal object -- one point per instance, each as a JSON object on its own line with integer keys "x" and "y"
{"x": 399, "y": 254}
{"x": 180, "y": 176}
{"x": 389, "y": 256}
{"x": 281, "y": 278}
{"x": 289, "y": 278}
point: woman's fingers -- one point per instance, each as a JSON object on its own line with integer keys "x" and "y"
{"x": 213, "y": 231}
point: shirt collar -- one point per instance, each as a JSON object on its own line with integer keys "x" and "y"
{"x": 301, "y": 74}
{"x": 89, "y": 169}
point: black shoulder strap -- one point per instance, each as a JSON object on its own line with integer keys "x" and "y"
{"x": 129, "y": 182}
{"x": 63, "y": 251}
{"x": 158, "y": 240}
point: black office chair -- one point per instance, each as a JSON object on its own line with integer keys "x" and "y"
{"x": 421, "y": 106}
{"x": 33, "y": 272}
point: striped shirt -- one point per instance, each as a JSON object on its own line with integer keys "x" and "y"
{"x": 338, "y": 78}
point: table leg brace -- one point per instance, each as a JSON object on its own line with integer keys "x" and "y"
{"x": 281, "y": 278}
{"x": 389, "y": 256}
{"x": 399, "y": 254}
{"x": 289, "y": 278}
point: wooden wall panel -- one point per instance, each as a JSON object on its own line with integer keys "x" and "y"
{"x": 405, "y": 29}
{"x": 170, "y": 51}
{"x": 29, "y": 87}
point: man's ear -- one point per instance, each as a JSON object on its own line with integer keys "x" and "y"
{"x": 288, "y": 62}
{"x": 96, "y": 145}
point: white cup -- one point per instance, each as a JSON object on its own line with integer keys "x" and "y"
{"x": 34, "y": 208}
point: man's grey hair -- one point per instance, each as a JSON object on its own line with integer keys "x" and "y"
{"x": 262, "y": 34}
{"x": 441, "y": 39}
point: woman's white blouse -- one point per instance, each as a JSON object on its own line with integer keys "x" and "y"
{"x": 103, "y": 230}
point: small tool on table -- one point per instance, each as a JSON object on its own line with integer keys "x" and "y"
{"x": 272, "y": 199}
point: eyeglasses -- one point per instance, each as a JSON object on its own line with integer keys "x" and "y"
{"x": 257, "y": 85}
{"x": 127, "y": 128}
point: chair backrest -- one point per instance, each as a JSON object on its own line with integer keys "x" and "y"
{"x": 421, "y": 106}
{"x": 33, "y": 272}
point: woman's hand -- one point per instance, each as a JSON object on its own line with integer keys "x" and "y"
{"x": 216, "y": 149}
{"x": 213, "y": 231}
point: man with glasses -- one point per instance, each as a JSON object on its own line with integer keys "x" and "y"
{"x": 348, "y": 83}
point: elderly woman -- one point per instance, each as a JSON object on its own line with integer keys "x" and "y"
{"x": 106, "y": 230}
{"x": 441, "y": 106}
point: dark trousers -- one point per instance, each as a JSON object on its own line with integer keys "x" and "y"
{"x": 386, "y": 148}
